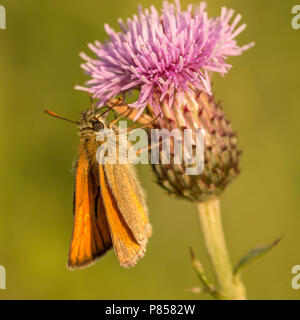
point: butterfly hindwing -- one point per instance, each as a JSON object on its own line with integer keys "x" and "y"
{"x": 127, "y": 248}
{"x": 129, "y": 196}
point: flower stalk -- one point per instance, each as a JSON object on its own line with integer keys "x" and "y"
{"x": 230, "y": 286}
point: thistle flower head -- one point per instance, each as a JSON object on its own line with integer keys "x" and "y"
{"x": 221, "y": 152}
{"x": 163, "y": 54}
{"x": 169, "y": 57}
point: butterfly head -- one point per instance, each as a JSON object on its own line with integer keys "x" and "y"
{"x": 91, "y": 121}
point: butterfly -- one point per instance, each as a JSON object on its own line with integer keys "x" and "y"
{"x": 109, "y": 204}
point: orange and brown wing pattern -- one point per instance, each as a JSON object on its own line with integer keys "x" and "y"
{"x": 127, "y": 248}
{"x": 91, "y": 235}
{"x": 130, "y": 198}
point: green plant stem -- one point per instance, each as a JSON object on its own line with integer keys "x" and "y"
{"x": 229, "y": 286}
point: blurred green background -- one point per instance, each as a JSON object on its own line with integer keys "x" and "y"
{"x": 39, "y": 66}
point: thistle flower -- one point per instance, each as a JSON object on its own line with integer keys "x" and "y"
{"x": 169, "y": 57}
{"x": 163, "y": 55}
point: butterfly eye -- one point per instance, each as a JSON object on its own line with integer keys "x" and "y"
{"x": 97, "y": 125}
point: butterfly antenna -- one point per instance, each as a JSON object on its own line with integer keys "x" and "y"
{"x": 114, "y": 104}
{"x": 50, "y": 113}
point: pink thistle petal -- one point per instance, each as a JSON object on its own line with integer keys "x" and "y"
{"x": 162, "y": 54}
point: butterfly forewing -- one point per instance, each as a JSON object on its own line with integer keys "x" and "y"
{"x": 91, "y": 235}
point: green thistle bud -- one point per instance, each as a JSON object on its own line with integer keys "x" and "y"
{"x": 221, "y": 154}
